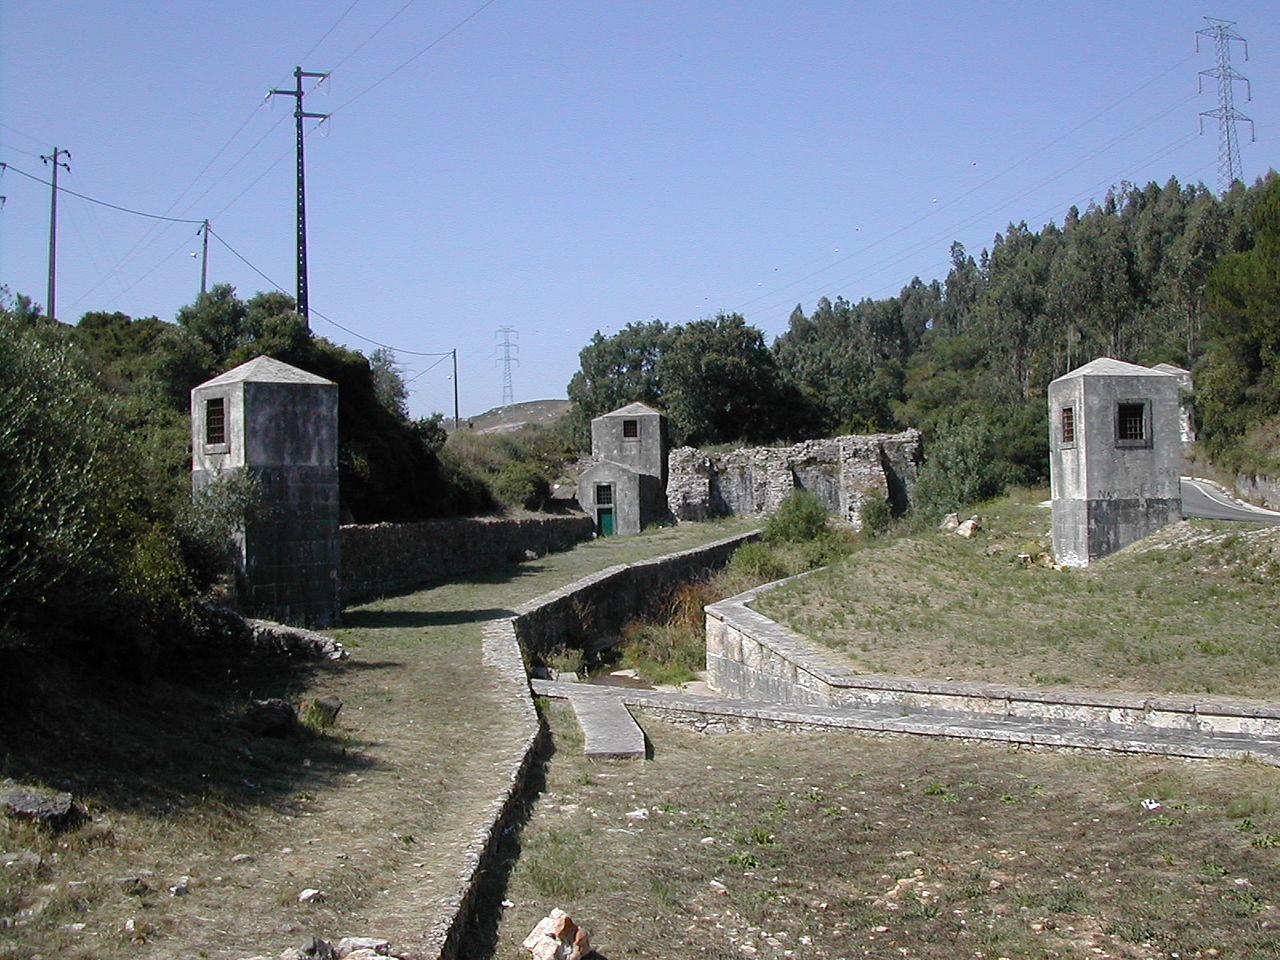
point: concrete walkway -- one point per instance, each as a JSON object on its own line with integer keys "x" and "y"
{"x": 610, "y": 730}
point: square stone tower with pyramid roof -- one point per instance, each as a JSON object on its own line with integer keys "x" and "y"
{"x": 278, "y": 425}
{"x": 624, "y": 488}
{"x": 1115, "y": 457}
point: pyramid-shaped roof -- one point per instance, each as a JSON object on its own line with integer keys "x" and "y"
{"x": 633, "y": 410}
{"x": 1107, "y": 367}
{"x": 265, "y": 370}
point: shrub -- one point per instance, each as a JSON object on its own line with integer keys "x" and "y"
{"x": 758, "y": 562}
{"x": 877, "y": 517}
{"x": 799, "y": 517}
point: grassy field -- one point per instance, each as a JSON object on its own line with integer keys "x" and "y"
{"x": 1190, "y": 610}
{"x": 374, "y": 812}
{"x": 832, "y": 846}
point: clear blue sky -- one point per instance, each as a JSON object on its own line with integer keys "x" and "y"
{"x": 568, "y": 167}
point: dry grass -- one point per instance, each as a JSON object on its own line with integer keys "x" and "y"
{"x": 1192, "y": 610}
{"x": 375, "y": 812}
{"x": 836, "y": 846}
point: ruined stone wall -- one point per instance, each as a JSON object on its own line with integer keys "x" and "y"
{"x": 842, "y": 472}
{"x": 383, "y": 558}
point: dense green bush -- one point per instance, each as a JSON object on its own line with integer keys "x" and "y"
{"x": 799, "y": 517}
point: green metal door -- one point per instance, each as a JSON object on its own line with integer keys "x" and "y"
{"x": 604, "y": 509}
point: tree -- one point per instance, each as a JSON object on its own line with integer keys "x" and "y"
{"x": 720, "y": 383}
{"x": 388, "y": 382}
{"x": 1238, "y": 383}
{"x": 620, "y": 369}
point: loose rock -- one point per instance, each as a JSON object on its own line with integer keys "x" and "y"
{"x": 557, "y": 937}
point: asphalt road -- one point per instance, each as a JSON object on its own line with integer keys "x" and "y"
{"x": 1200, "y": 499}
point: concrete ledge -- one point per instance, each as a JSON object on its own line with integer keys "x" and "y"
{"x": 715, "y": 715}
{"x": 751, "y": 657}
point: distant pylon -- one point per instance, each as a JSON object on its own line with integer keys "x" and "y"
{"x": 1226, "y": 114}
{"x": 507, "y": 358}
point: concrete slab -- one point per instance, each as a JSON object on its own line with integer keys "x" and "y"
{"x": 610, "y": 732}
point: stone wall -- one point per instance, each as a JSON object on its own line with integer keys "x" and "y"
{"x": 601, "y": 604}
{"x": 751, "y": 657}
{"x": 843, "y": 472}
{"x": 383, "y": 558}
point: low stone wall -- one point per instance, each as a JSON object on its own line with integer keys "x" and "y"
{"x": 751, "y": 657}
{"x": 601, "y": 604}
{"x": 1264, "y": 491}
{"x": 842, "y": 472}
{"x": 384, "y": 558}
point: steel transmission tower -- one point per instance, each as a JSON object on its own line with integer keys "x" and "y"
{"x": 508, "y": 358}
{"x": 1226, "y": 114}
{"x": 299, "y": 115}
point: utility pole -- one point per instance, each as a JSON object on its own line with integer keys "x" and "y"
{"x": 299, "y": 115}
{"x": 53, "y": 224}
{"x": 1226, "y": 114}
{"x": 455, "y": 388}
{"x": 204, "y": 258}
{"x": 507, "y": 358}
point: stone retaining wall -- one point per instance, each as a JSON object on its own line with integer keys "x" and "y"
{"x": 750, "y": 656}
{"x": 384, "y": 558}
{"x": 601, "y": 604}
{"x": 1264, "y": 491}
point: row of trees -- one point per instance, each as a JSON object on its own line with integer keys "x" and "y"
{"x": 968, "y": 358}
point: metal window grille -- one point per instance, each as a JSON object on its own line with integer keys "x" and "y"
{"x": 1131, "y": 422}
{"x": 1068, "y": 425}
{"x": 604, "y": 495}
{"x": 631, "y": 429}
{"x": 215, "y": 421}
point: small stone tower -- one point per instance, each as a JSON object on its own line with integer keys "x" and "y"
{"x": 1115, "y": 457}
{"x": 624, "y": 489}
{"x": 279, "y": 425}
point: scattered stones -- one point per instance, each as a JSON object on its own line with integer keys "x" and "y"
{"x": 311, "y": 895}
{"x": 133, "y": 886}
{"x": 293, "y": 641}
{"x": 950, "y": 522}
{"x": 139, "y": 931}
{"x": 48, "y": 808}
{"x": 181, "y": 888}
{"x": 313, "y": 948}
{"x": 270, "y": 718}
{"x": 969, "y": 527}
{"x": 362, "y": 948}
{"x": 640, "y": 814}
{"x": 20, "y": 858}
{"x": 557, "y": 937}
{"x": 242, "y": 857}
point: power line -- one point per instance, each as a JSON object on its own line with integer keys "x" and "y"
{"x": 101, "y": 203}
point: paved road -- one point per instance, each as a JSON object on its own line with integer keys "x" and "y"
{"x": 1201, "y": 499}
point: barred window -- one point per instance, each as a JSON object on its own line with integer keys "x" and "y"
{"x": 631, "y": 429}
{"x": 1068, "y": 425}
{"x": 215, "y": 420}
{"x": 1133, "y": 423}
{"x": 604, "y": 495}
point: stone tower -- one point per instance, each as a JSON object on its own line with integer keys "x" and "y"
{"x": 624, "y": 489}
{"x": 1115, "y": 457}
{"x": 278, "y": 425}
